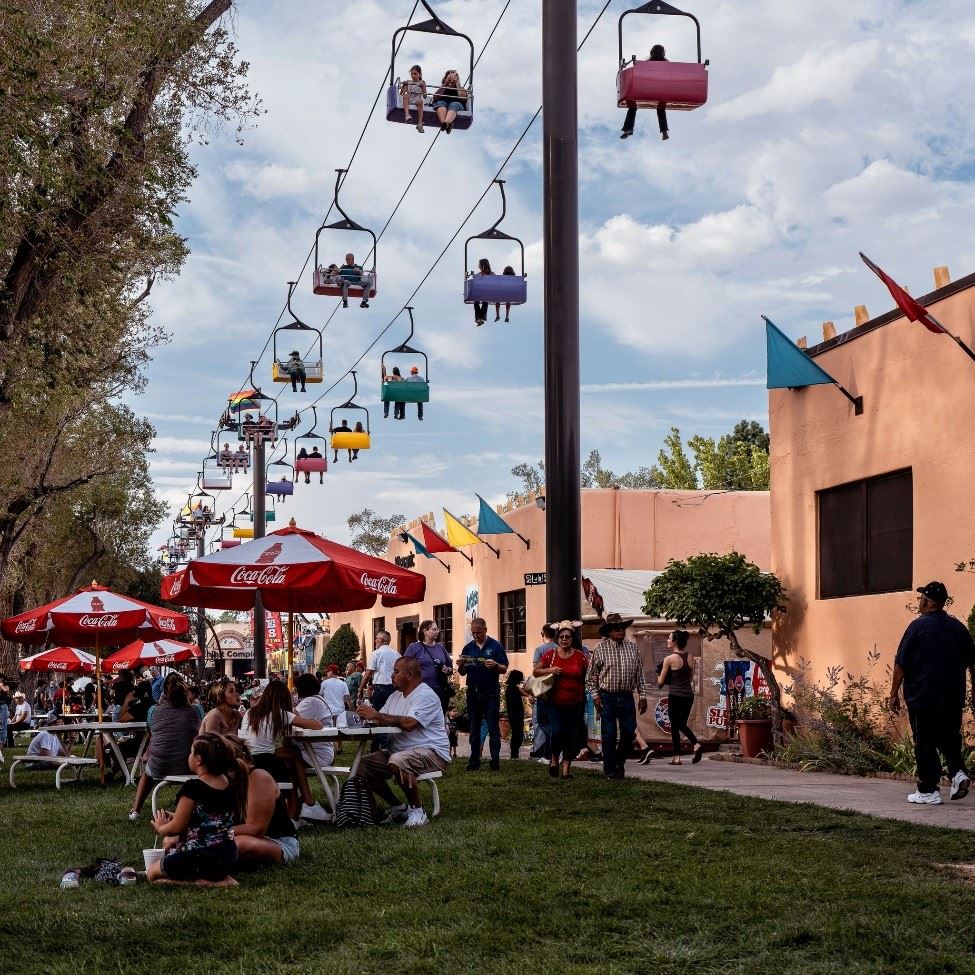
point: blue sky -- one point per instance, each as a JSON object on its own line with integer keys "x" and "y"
{"x": 830, "y": 128}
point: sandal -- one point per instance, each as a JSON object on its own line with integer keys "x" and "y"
{"x": 676, "y": 761}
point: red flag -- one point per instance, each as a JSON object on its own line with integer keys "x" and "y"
{"x": 433, "y": 542}
{"x": 915, "y": 311}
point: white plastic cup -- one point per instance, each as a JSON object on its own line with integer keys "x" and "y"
{"x": 152, "y": 856}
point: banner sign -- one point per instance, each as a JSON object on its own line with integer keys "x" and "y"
{"x": 534, "y": 578}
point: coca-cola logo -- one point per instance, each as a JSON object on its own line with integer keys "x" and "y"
{"x": 167, "y": 659}
{"x": 177, "y": 586}
{"x": 26, "y": 626}
{"x": 272, "y": 575}
{"x": 55, "y": 665}
{"x": 168, "y": 624}
{"x": 99, "y": 622}
{"x": 384, "y": 585}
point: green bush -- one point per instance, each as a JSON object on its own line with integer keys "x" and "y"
{"x": 342, "y": 648}
{"x": 754, "y": 708}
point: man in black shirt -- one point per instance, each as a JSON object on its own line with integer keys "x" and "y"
{"x": 931, "y": 661}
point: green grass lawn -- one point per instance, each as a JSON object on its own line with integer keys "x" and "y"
{"x": 518, "y": 874}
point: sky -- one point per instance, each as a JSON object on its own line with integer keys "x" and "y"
{"x": 830, "y": 128}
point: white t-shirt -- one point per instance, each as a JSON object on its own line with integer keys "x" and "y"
{"x": 334, "y": 691}
{"x": 315, "y": 707}
{"x": 424, "y": 705}
{"x": 260, "y": 740}
{"x": 22, "y": 713}
{"x": 382, "y": 663}
{"x": 45, "y": 741}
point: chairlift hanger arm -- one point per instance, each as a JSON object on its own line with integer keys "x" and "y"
{"x": 493, "y": 233}
{"x": 432, "y": 26}
{"x": 657, "y": 7}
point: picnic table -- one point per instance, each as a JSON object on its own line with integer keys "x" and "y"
{"x": 111, "y": 731}
{"x": 359, "y": 734}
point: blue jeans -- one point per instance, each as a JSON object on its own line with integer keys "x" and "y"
{"x": 4, "y": 717}
{"x": 541, "y": 731}
{"x": 380, "y": 695}
{"x": 484, "y": 705}
{"x": 618, "y": 709}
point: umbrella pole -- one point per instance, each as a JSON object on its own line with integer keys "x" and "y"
{"x": 99, "y": 747}
{"x": 291, "y": 652}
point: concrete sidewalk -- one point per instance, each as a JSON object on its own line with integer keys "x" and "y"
{"x": 875, "y": 797}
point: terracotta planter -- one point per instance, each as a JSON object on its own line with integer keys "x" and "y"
{"x": 755, "y": 735}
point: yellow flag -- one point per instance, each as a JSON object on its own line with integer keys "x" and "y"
{"x": 458, "y": 533}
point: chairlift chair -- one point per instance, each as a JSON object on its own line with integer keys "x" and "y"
{"x": 406, "y": 391}
{"x": 311, "y": 464}
{"x": 394, "y": 98}
{"x": 216, "y": 476}
{"x": 350, "y": 439}
{"x": 494, "y": 288}
{"x": 678, "y": 85}
{"x": 300, "y": 333}
{"x": 279, "y": 488}
{"x": 322, "y": 285}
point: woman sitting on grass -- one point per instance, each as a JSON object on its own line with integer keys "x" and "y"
{"x": 265, "y": 729}
{"x": 199, "y": 836}
{"x": 265, "y": 833}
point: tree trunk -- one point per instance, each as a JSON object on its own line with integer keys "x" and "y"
{"x": 764, "y": 664}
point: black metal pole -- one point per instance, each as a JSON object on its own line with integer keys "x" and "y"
{"x": 563, "y": 509}
{"x": 201, "y": 632}
{"x": 260, "y": 653}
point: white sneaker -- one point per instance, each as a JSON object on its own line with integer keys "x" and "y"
{"x": 416, "y": 817}
{"x": 396, "y": 815}
{"x": 69, "y": 880}
{"x": 959, "y": 785}
{"x": 926, "y": 798}
{"x": 314, "y": 813}
{"x": 133, "y": 816}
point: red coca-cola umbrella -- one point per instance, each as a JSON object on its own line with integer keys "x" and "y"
{"x": 94, "y": 617}
{"x": 294, "y": 571}
{"x": 65, "y": 659}
{"x": 155, "y": 654}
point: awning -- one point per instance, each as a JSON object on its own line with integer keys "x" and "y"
{"x": 622, "y": 591}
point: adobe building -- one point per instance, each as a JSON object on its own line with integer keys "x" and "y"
{"x": 867, "y": 508}
{"x": 627, "y": 538}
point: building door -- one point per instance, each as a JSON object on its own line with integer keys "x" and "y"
{"x": 406, "y": 631}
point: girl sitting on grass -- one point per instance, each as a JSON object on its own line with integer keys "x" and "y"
{"x": 198, "y": 837}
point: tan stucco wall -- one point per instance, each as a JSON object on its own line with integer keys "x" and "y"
{"x": 620, "y": 529}
{"x": 919, "y": 400}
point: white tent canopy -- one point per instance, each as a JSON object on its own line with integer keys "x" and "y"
{"x": 622, "y": 591}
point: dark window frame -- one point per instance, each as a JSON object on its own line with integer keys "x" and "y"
{"x": 443, "y": 616}
{"x": 512, "y": 625}
{"x": 848, "y": 561}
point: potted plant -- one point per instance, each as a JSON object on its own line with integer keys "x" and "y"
{"x": 754, "y": 720}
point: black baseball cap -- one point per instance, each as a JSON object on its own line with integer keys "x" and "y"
{"x": 935, "y": 591}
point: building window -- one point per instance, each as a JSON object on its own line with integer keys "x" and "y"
{"x": 511, "y": 612}
{"x": 443, "y": 616}
{"x": 866, "y": 536}
{"x": 378, "y": 625}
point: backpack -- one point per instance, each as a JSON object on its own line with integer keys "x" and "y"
{"x": 356, "y": 805}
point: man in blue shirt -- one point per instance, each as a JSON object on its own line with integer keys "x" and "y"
{"x": 934, "y": 654}
{"x": 483, "y": 661}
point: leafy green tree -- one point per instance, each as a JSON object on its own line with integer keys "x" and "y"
{"x": 371, "y": 531}
{"x": 594, "y": 475}
{"x": 729, "y": 464}
{"x": 720, "y": 595}
{"x": 674, "y": 470}
{"x": 532, "y": 478}
{"x": 342, "y": 648}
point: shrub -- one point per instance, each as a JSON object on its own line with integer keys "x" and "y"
{"x": 342, "y": 648}
{"x": 754, "y": 708}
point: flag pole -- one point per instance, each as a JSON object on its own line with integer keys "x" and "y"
{"x": 959, "y": 342}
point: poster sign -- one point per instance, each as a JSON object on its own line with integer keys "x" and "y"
{"x": 661, "y": 714}
{"x": 744, "y": 679}
{"x": 534, "y": 578}
{"x": 472, "y": 609}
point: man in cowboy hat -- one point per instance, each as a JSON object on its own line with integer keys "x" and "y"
{"x": 931, "y": 661}
{"x": 615, "y": 672}
{"x": 295, "y": 368}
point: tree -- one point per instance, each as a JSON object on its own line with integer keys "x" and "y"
{"x": 674, "y": 469}
{"x": 751, "y": 433}
{"x": 720, "y": 595}
{"x": 372, "y": 531}
{"x": 532, "y": 479}
{"x": 594, "y": 475}
{"x": 342, "y": 648}
{"x": 729, "y": 464}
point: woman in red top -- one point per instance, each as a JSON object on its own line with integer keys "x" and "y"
{"x": 567, "y": 699}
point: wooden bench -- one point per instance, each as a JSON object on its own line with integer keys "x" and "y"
{"x": 59, "y": 763}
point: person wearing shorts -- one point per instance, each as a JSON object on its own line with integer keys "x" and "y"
{"x": 449, "y": 99}
{"x": 422, "y": 746}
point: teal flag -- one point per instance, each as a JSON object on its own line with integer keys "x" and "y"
{"x": 489, "y": 522}
{"x": 788, "y": 365}
{"x": 419, "y": 547}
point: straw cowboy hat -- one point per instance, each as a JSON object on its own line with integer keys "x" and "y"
{"x": 566, "y": 625}
{"x": 614, "y": 622}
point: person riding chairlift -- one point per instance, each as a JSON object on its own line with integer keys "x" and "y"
{"x": 295, "y": 368}
{"x": 351, "y": 275}
{"x": 657, "y": 53}
{"x": 399, "y": 409}
{"x": 343, "y": 427}
{"x": 415, "y": 377}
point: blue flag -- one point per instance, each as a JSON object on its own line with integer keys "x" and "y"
{"x": 788, "y": 365}
{"x": 489, "y": 522}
